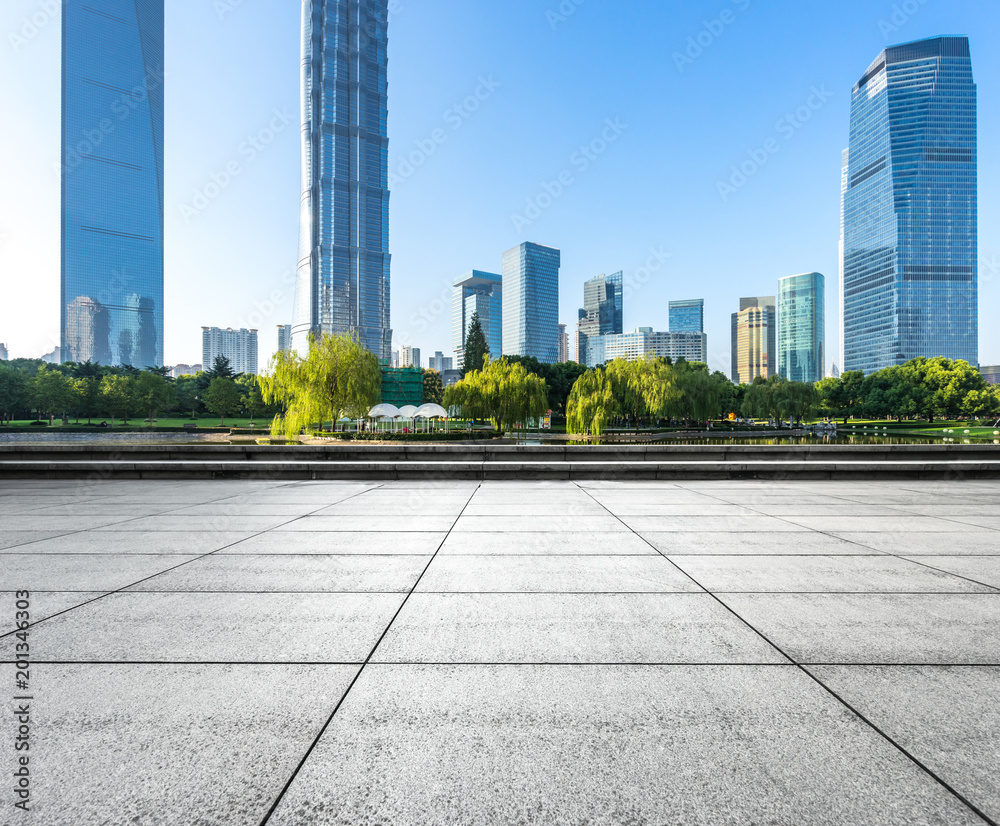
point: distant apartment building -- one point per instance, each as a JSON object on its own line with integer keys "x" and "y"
{"x": 531, "y": 302}
{"x": 602, "y": 312}
{"x": 563, "y": 344}
{"x": 802, "y": 327}
{"x": 991, "y": 374}
{"x": 55, "y": 357}
{"x": 239, "y": 346}
{"x": 440, "y": 362}
{"x": 284, "y": 337}
{"x": 3, "y": 352}
{"x": 644, "y": 343}
{"x": 754, "y": 339}
{"x": 409, "y": 356}
{"x": 687, "y": 316}
{"x": 179, "y": 370}
{"x": 451, "y": 377}
{"x": 477, "y": 292}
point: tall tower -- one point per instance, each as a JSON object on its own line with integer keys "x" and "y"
{"x": 802, "y": 327}
{"x": 910, "y": 281}
{"x": 755, "y": 340}
{"x": 531, "y": 302}
{"x": 111, "y": 283}
{"x": 342, "y": 285}
{"x": 482, "y": 293}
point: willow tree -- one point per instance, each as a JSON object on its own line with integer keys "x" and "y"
{"x": 502, "y": 392}
{"x": 592, "y": 404}
{"x": 338, "y": 378}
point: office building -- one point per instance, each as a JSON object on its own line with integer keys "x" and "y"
{"x": 802, "y": 327}
{"x": 991, "y": 374}
{"x": 179, "y": 370}
{"x": 563, "y": 344}
{"x": 111, "y": 284}
{"x": 531, "y": 302}
{"x": 342, "y": 283}
{"x": 910, "y": 215}
{"x": 451, "y": 377}
{"x": 394, "y": 360}
{"x": 239, "y": 346}
{"x": 439, "y": 362}
{"x": 409, "y": 357}
{"x": 477, "y": 292}
{"x": 687, "y": 316}
{"x": 602, "y": 312}
{"x": 644, "y": 343}
{"x": 755, "y": 340}
{"x": 284, "y": 338}
{"x": 54, "y": 357}
{"x": 3, "y": 352}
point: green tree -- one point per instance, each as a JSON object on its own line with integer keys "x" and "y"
{"x": 118, "y": 393}
{"x": 591, "y": 406}
{"x": 52, "y": 393}
{"x": 559, "y": 379}
{"x": 221, "y": 369}
{"x": 223, "y": 398}
{"x": 339, "y": 377}
{"x": 88, "y": 391}
{"x": 433, "y": 387}
{"x": 843, "y": 397}
{"x": 979, "y": 404}
{"x": 504, "y": 393}
{"x": 153, "y": 393}
{"x": 476, "y": 348}
{"x": 15, "y": 392}
{"x": 189, "y": 392}
{"x": 253, "y": 399}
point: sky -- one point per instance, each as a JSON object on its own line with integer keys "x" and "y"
{"x": 609, "y": 129}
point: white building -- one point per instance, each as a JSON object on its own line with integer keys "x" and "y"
{"x": 409, "y": 356}
{"x": 644, "y": 343}
{"x": 239, "y": 346}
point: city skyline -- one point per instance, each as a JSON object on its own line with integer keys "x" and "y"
{"x": 660, "y": 266}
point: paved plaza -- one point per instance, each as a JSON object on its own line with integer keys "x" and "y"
{"x": 447, "y": 652}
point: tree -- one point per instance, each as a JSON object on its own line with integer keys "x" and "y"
{"x": 559, "y": 379}
{"x": 433, "y": 387}
{"x": 980, "y": 403}
{"x": 51, "y": 393}
{"x": 118, "y": 393}
{"x": 223, "y": 397}
{"x": 15, "y": 392}
{"x": 221, "y": 369}
{"x": 502, "y": 392}
{"x": 189, "y": 390}
{"x": 88, "y": 392}
{"x": 591, "y": 405}
{"x": 339, "y": 377}
{"x": 476, "y": 348}
{"x": 253, "y": 400}
{"x": 153, "y": 393}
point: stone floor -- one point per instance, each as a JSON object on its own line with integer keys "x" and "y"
{"x": 506, "y": 653}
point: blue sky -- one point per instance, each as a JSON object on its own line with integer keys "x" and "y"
{"x": 496, "y": 105}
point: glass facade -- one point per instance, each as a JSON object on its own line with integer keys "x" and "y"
{"x": 643, "y": 344}
{"x": 802, "y": 327}
{"x": 477, "y": 292}
{"x": 602, "y": 312}
{"x": 687, "y": 316}
{"x": 342, "y": 284}
{"x": 111, "y": 308}
{"x": 531, "y": 302}
{"x": 910, "y": 261}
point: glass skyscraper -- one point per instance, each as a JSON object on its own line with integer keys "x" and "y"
{"x": 111, "y": 308}
{"x": 687, "y": 316}
{"x": 802, "y": 327}
{"x": 531, "y": 302}
{"x": 342, "y": 284}
{"x": 477, "y": 292}
{"x": 602, "y": 312}
{"x": 910, "y": 232}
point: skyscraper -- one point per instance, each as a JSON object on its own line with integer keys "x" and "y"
{"x": 531, "y": 302}
{"x": 111, "y": 308}
{"x": 238, "y": 346}
{"x": 477, "y": 292}
{"x": 563, "y": 344}
{"x": 284, "y": 337}
{"x": 802, "y": 327}
{"x": 602, "y": 312}
{"x": 687, "y": 316}
{"x": 409, "y": 356}
{"x": 754, "y": 339}
{"x": 342, "y": 285}
{"x": 910, "y": 209}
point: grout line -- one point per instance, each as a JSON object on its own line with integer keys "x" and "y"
{"x": 371, "y": 654}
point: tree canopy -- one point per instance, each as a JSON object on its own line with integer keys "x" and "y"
{"x": 476, "y": 348}
{"x": 505, "y": 393}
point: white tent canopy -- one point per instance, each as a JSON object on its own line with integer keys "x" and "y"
{"x": 384, "y": 411}
{"x": 431, "y": 411}
{"x": 407, "y": 411}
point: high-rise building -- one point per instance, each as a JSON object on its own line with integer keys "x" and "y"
{"x": 409, "y": 356}
{"x": 3, "y": 352}
{"x": 910, "y": 209}
{"x": 687, "y": 316}
{"x": 755, "y": 342}
{"x": 531, "y": 302}
{"x": 239, "y": 346}
{"x": 802, "y": 327}
{"x": 991, "y": 374}
{"x": 563, "y": 344}
{"x": 645, "y": 343}
{"x": 111, "y": 308}
{"x": 477, "y": 292}
{"x": 439, "y": 362}
{"x": 284, "y": 337}
{"x": 342, "y": 285}
{"x": 179, "y": 370}
{"x": 602, "y": 312}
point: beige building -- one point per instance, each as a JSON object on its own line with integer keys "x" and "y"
{"x": 754, "y": 347}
